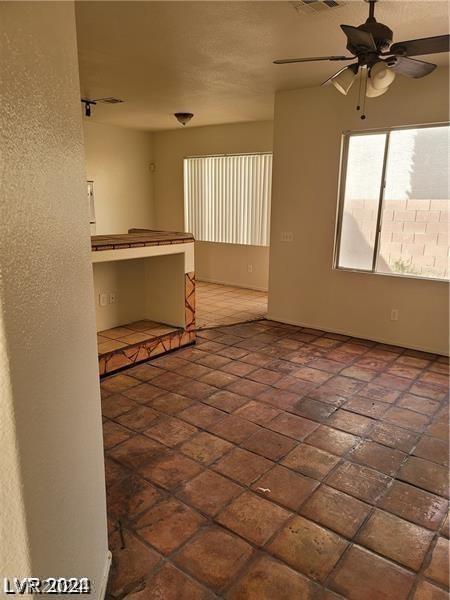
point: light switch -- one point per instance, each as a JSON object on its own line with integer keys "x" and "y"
{"x": 103, "y": 299}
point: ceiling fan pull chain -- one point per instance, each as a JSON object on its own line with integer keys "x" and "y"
{"x": 364, "y": 74}
{"x": 358, "y": 107}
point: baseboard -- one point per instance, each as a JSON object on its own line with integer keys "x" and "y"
{"x": 271, "y": 317}
{"x": 104, "y": 582}
{"x": 238, "y": 285}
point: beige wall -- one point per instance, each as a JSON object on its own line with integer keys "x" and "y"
{"x": 244, "y": 266}
{"x": 145, "y": 288}
{"x": 224, "y": 263}
{"x": 118, "y": 161}
{"x": 304, "y": 289}
{"x": 52, "y": 496}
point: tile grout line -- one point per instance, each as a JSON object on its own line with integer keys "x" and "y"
{"x": 248, "y": 489}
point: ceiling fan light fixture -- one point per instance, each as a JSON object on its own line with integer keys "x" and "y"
{"x": 344, "y": 80}
{"x": 183, "y": 117}
{"x": 373, "y": 92}
{"x": 381, "y": 76}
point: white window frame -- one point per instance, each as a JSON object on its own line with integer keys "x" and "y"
{"x": 346, "y": 135}
{"x": 250, "y": 154}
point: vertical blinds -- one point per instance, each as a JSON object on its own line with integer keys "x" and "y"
{"x": 227, "y": 198}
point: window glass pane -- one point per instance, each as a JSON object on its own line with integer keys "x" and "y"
{"x": 361, "y": 199}
{"x": 414, "y": 232}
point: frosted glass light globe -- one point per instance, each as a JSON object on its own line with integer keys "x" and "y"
{"x": 381, "y": 75}
{"x": 344, "y": 81}
{"x": 373, "y": 92}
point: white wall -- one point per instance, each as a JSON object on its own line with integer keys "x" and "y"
{"x": 223, "y": 263}
{"x": 146, "y": 289}
{"x": 52, "y": 496}
{"x": 230, "y": 264}
{"x": 304, "y": 289}
{"x": 118, "y": 161}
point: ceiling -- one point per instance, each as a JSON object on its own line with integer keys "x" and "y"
{"x": 214, "y": 58}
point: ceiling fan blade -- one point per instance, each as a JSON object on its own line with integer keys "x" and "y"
{"x": 284, "y": 61}
{"x": 410, "y": 67}
{"x": 358, "y": 38}
{"x": 431, "y": 45}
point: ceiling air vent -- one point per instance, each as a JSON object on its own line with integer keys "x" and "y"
{"x": 315, "y": 6}
{"x": 109, "y": 100}
{"x": 88, "y": 102}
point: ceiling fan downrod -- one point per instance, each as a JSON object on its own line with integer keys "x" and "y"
{"x": 371, "y": 16}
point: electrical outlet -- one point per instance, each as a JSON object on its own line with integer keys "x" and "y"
{"x": 250, "y": 268}
{"x": 112, "y": 298}
{"x": 287, "y": 236}
{"x": 395, "y": 314}
{"x": 103, "y": 299}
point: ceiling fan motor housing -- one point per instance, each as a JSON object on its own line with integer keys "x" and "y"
{"x": 381, "y": 34}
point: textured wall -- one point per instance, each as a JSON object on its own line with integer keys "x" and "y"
{"x": 303, "y": 287}
{"x": 118, "y": 161}
{"x": 47, "y": 326}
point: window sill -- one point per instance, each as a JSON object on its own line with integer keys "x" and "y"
{"x": 396, "y": 275}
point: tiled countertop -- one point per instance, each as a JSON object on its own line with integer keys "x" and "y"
{"x": 136, "y": 238}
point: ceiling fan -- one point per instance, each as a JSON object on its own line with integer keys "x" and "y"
{"x": 378, "y": 61}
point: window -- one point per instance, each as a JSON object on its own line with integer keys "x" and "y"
{"x": 227, "y": 198}
{"x": 394, "y": 202}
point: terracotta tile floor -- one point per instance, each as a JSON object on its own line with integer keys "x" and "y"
{"x": 129, "y": 334}
{"x": 224, "y": 305}
{"x": 275, "y": 462}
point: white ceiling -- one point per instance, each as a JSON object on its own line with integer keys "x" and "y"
{"x": 214, "y": 58}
